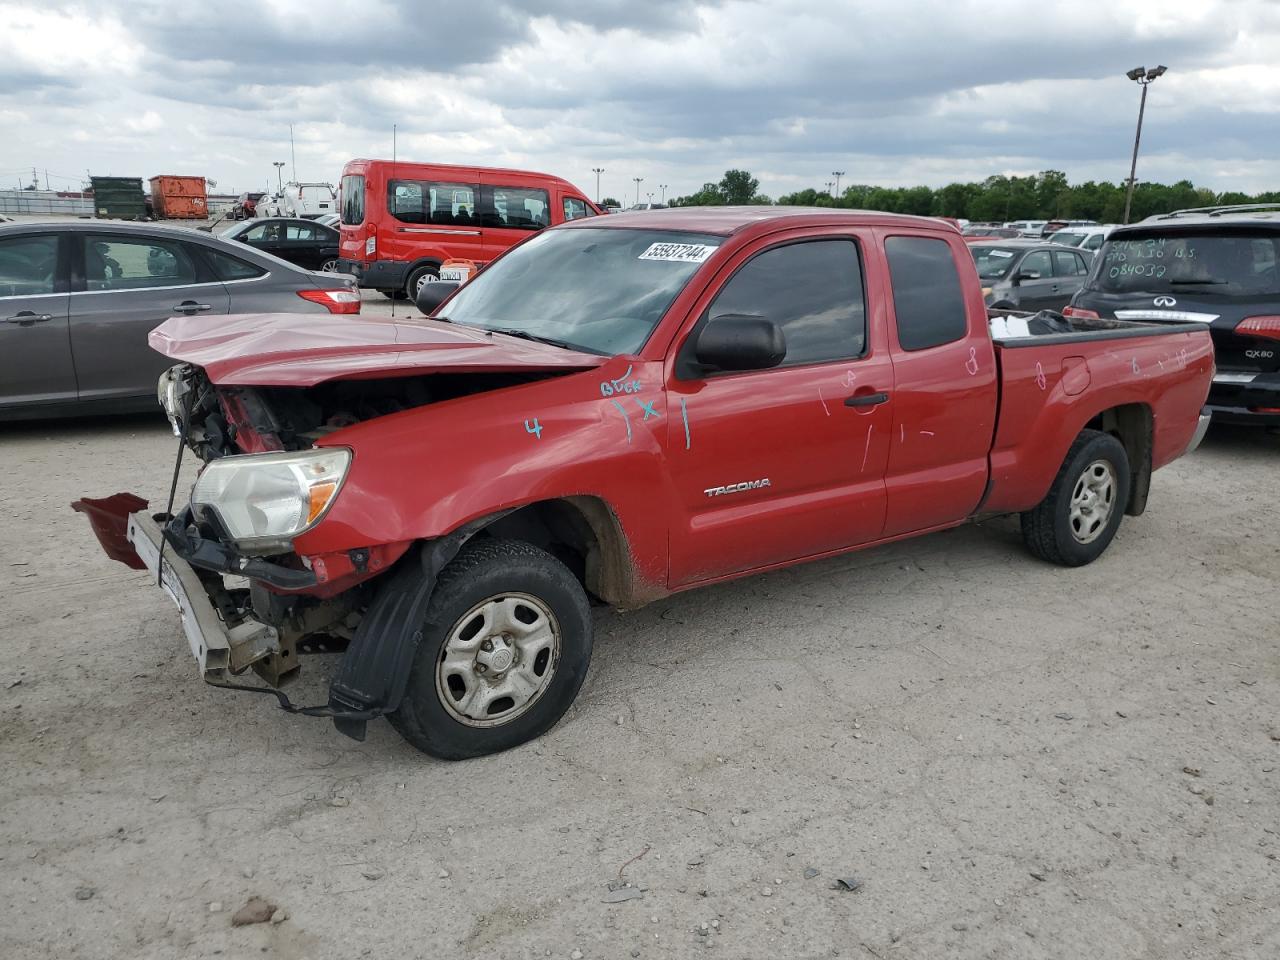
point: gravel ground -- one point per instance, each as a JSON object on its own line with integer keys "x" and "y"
{"x": 1014, "y": 760}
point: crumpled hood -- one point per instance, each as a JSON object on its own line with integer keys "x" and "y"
{"x": 303, "y": 349}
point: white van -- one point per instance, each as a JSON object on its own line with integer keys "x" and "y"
{"x": 308, "y": 200}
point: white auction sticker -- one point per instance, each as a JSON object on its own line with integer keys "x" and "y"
{"x": 678, "y": 252}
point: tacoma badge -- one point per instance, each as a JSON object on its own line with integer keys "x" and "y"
{"x": 736, "y": 487}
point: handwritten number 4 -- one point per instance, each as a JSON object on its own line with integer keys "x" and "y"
{"x": 535, "y": 428}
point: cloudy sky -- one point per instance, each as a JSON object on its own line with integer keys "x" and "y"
{"x": 893, "y": 92}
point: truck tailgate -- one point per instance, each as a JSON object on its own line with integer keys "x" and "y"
{"x": 1054, "y": 386}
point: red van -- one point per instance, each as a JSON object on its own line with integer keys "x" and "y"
{"x": 401, "y": 220}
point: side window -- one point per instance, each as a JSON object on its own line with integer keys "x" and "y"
{"x": 1066, "y": 264}
{"x": 427, "y": 201}
{"x": 300, "y": 231}
{"x": 927, "y": 298}
{"x": 28, "y": 265}
{"x": 1082, "y": 265}
{"x": 227, "y": 267}
{"x": 812, "y": 290}
{"x": 1037, "y": 262}
{"x": 135, "y": 264}
{"x": 257, "y": 233}
{"x": 519, "y": 208}
{"x": 575, "y": 208}
{"x": 1094, "y": 241}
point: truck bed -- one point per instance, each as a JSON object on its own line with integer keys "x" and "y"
{"x": 1052, "y": 381}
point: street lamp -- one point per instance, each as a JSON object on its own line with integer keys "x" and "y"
{"x": 597, "y": 171}
{"x": 638, "y": 181}
{"x": 279, "y": 165}
{"x": 837, "y": 174}
{"x": 1143, "y": 77}
{"x": 829, "y": 184}
{"x": 664, "y": 192}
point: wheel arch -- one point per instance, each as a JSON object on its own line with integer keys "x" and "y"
{"x": 1134, "y": 426}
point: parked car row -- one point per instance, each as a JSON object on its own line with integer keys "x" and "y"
{"x": 78, "y": 301}
{"x": 305, "y": 243}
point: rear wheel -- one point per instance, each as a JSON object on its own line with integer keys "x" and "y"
{"x": 506, "y": 642}
{"x": 329, "y": 266}
{"x": 1078, "y": 518}
{"x": 419, "y": 278}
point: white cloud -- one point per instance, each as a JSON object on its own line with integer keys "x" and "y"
{"x": 891, "y": 91}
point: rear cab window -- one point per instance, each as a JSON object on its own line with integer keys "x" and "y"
{"x": 928, "y": 301}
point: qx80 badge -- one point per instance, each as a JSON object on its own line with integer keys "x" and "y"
{"x": 742, "y": 487}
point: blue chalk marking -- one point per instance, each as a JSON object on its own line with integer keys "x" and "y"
{"x": 625, "y": 419}
{"x": 684, "y": 415}
{"x": 647, "y": 407}
{"x": 536, "y": 429}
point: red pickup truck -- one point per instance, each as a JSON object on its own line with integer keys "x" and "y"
{"x": 614, "y": 410}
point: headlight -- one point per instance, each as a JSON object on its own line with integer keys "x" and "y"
{"x": 271, "y": 496}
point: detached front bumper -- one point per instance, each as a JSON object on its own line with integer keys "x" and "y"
{"x": 217, "y": 648}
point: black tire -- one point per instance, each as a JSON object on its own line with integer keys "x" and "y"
{"x": 485, "y": 569}
{"x": 1048, "y": 529}
{"x": 423, "y": 274}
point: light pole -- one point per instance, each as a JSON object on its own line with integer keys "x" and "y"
{"x": 829, "y": 184}
{"x": 837, "y": 174}
{"x": 638, "y": 181}
{"x": 279, "y": 165}
{"x": 597, "y": 171}
{"x": 1143, "y": 77}
{"x": 664, "y": 192}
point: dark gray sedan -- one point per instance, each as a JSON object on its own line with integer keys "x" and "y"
{"x": 1029, "y": 274}
{"x": 77, "y": 301}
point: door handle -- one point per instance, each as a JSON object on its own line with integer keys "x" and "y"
{"x": 866, "y": 399}
{"x": 190, "y": 306}
{"x": 26, "y": 317}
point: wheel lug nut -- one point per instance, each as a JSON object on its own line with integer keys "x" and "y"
{"x": 481, "y": 668}
{"x": 487, "y": 645}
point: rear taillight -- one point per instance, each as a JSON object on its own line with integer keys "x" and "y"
{"x": 335, "y": 301}
{"x": 1268, "y": 327}
{"x": 1080, "y": 313}
{"x": 371, "y": 240}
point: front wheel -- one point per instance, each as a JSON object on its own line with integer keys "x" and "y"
{"x": 506, "y": 642}
{"x": 1078, "y": 518}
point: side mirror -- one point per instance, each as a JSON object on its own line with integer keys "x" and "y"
{"x": 734, "y": 342}
{"x": 1027, "y": 275}
{"x": 431, "y": 295}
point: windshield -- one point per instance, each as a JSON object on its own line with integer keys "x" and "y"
{"x": 1217, "y": 264}
{"x": 992, "y": 262}
{"x": 592, "y": 289}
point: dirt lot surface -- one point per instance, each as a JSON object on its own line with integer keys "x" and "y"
{"x": 1014, "y": 760}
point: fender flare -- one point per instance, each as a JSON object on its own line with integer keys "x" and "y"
{"x": 374, "y": 671}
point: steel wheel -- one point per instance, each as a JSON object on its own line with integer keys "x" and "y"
{"x": 1092, "y": 500}
{"x": 498, "y": 660}
{"x": 425, "y": 278}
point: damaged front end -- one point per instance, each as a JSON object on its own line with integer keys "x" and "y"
{"x": 227, "y": 560}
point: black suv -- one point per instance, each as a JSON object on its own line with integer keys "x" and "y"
{"x": 1216, "y": 265}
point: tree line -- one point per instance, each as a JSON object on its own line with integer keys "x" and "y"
{"x": 1043, "y": 196}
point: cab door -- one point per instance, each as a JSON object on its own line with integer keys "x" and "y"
{"x": 128, "y": 285}
{"x": 944, "y": 383}
{"x": 35, "y": 351}
{"x": 784, "y": 463}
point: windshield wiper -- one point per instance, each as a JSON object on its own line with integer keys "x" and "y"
{"x": 1195, "y": 283}
{"x": 526, "y": 335}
